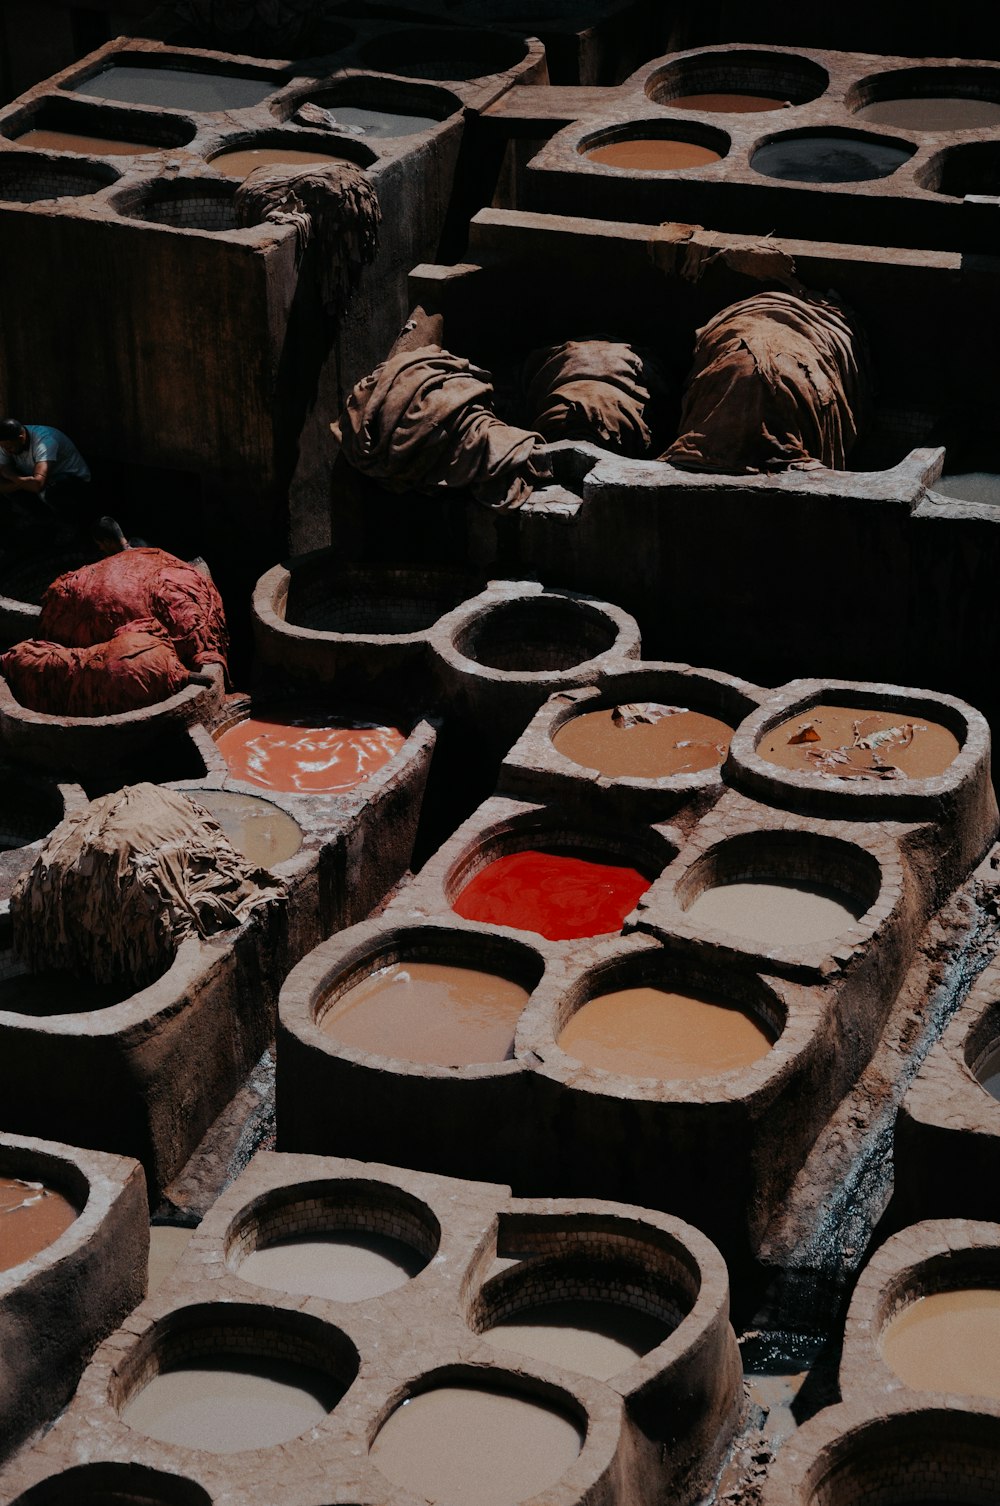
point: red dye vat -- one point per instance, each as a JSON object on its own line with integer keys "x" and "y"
{"x": 558, "y": 896}
{"x": 313, "y": 755}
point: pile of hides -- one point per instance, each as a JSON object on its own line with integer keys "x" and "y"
{"x": 119, "y": 635}
{"x": 778, "y": 383}
{"x": 424, "y": 420}
{"x": 334, "y": 204}
{"x": 117, "y": 887}
{"x": 596, "y": 390}
{"x": 137, "y": 667}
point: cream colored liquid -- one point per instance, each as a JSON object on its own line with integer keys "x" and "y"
{"x": 99, "y": 146}
{"x": 429, "y": 1012}
{"x": 829, "y": 740}
{"x": 682, "y": 743}
{"x": 774, "y": 912}
{"x": 459, "y": 1446}
{"x": 240, "y": 164}
{"x": 648, "y": 1032}
{"x": 225, "y": 1407}
{"x": 263, "y": 833}
{"x": 949, "y": 1341}
{"x": 655, "y": 154}
{"x": 592, "y": 1338}
{"x": 346, "y": 1266}
{"x": 32, "y": 1216}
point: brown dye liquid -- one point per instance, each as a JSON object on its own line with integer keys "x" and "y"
{"x": 653, "y": 154}
{"x": 775, "y": 912}
{"x": 240, "y": 164}
{"x": 593, "y": 1338}
{"x": 167, "y": 1244}
{"x": 429, "y": 1012}
{"x": 342, "y": 1266}
{"x": 827, "y": 740}
{"x": 100, "y": 146}
{"x": 32, "y": 1216}
{"x": 457, "y": 1445}
{"x": 949, "y": 1341}
{"x": 944, "y": 113}
{"x": 227, "y": 1405}
{"x": 682, "y": 743}
{"x": 743, "y": 104}
{"x": 263, "y": 833}
{"x": 648, "y": 1032}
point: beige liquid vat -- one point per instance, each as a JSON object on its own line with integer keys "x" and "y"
{"x": 657, "y": 154}
{"x": 934, "y": 113}
{"x": 342, "y": 1266}
{"x": 651, "y": 1032}
{"x": 246, "y": 160}
{"x": 775, "y": 912}
{"x": 683, "y": 742}
{"x": 32, "y": 1216}
{"x": 593, "y": 1338}
{"x": 429, "y": 1012}
{"x": 262, "y": 832}
{"x": 948, "y": 1341}
{"x": 98, "y": 146}
{"x": 466, "y": 1446}
{"x": 226, "y": 1405}
{"x": 831, "y": 740}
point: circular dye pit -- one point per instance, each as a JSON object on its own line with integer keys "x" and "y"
{"x": 988, "y": 1074}
{"x": 592, "y": 1338}
{"x": 644, "y": 741}
{"x": 776, "y": 912}
{"x": 652, "y": 154}
{"x": 101, "y": 146}
{"x": 243, "y": 161}
{"x": 650, "y": 1032}
{"x": 378, "y": 124}
{"x": 458, "y": 1444}
{"x": 32, "y": 1216}
{"x": 933, "y": 113}
{"x": 829, "y": 158}
{"x": 948, "y": 1341}
{"x": 348, "y": 1265}
{"x": 971, "y": 486}
{"x": 307, "y": 754}
{"x": 854, "y": 742}
{"x": 429, "y": 1012}
{"x": 263, "y": 833}
{"x": 176, "y": 88}
{"x": 557, "y": 895}
{"x": 728, "y": 104}
{"x": 54, "y": 991}
{"x": 224, "y": 1404}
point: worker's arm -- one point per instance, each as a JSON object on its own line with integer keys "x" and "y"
{"x": 10, "y": 481}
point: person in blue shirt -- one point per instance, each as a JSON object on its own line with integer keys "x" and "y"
{"x": 39, "y": 461}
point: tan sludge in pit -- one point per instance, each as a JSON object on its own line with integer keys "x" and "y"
{"x": 32, "y": 1216}
{"x": 593, "y": 1338}
{"x": 854, "y": 742}
{"x": 775, "y": 911}
{"x": 262, "y": 832}
{"x": 429, "y": 1012}
{"x": 226, "y": 1404}
{"x": 651, "y": 1032}
{"x": 241, "y": 162}
{"x": 659, "y": 154}
{"x": 644, "y": 740}
{"x": 347, "y": 1265}
{"x": 466, "y": 1446}
{"x": 741, "y": 104}
{"x": 948, "y": 1341}
{"x": 71, "y": 141}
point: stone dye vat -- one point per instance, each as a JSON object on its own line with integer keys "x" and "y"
{"x": 303, "y": 751}
{"x": 784, "y": 173}
{"x": 388, "y": 1370}
{"x": 651, "y": 147}
{"x": 73, "y": 1240}
{"x": 64, "y": 124}
{"x": 248, "y": 448}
